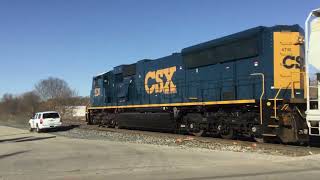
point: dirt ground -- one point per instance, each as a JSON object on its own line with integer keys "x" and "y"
{"x": 25, "y": 155}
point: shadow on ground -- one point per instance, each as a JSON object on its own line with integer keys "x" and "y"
{"x": 14, "y": 134}
{"x": 62, "y": 128}
{"x": 257, "y": 175}
{"x": 12, "y": 154}
{"x": 25, "y": 139}
{"x": 14, "y": 139}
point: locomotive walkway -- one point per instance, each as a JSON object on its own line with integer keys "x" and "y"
{"x": 25, "y": 155}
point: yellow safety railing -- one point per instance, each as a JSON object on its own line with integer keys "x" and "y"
{"x": 275, "y": 103}
{"x": 302, "y": 83}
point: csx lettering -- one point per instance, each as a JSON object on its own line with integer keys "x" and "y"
{"x": 162, "y": 81}
{"x": 290, "y": 62}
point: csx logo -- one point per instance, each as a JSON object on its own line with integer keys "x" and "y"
{"x": 290, "y": 62}
{"x": 161, "y": 81}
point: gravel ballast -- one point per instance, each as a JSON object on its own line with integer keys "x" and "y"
{"x": 79, "y": 129}
{"x": 183, "y": 141}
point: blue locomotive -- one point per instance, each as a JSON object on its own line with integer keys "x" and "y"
{"x": 249, "y": 83}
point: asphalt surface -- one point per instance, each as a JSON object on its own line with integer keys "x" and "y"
{"x": 25, "y": 155}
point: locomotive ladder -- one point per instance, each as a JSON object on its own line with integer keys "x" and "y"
{"x": 313, "y": 113}
{"x": 274, "y": 125}
{"x": 274, "y": 116}
{"x": 283, "y": 107}
{"x": 275, "y": 99}
{"x": 312, "y": 58}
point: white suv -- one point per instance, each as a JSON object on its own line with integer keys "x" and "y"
{"x": 45, "y": 120}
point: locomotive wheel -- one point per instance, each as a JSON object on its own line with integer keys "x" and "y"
{"x": 93, "y": 120}
{"x": 228, "y": 133}
{"x": 117, "y": 125}
{"x": 196, "y": 132}
{"x": 199, "y": 134}
{"x": 225, "y": 131}
{"x": 90, "y": 120}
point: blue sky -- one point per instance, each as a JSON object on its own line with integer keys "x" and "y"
{"x": 76, "y": 39}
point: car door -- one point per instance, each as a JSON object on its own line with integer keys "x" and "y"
{"x": 37, "y": 120}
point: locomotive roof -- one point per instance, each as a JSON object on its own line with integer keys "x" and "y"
{"x": 226, "y": 39}
{"x": 237, "y": 36}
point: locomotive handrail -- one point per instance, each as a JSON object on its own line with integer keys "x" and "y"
{"x": 301, "y": 85}
{"x": 292, "y": 83}
{"x": 262, "y": 94}
{"x": 275, "y": 102}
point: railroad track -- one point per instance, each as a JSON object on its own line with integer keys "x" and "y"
{"x": 241, "y": 145}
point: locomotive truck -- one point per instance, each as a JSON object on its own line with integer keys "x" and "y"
{"x": 251, "y": 83}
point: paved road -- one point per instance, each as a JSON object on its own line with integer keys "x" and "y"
{"x": 25, "y": 155}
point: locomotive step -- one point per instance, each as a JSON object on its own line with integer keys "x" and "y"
{"x": 271, "y": 135}
{"x": 273, "y": 117}
{"x": 275, "y": 99}
{"x": 273, "y": 125}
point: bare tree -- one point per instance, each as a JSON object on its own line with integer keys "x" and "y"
{"x": 53, "y": 88}
{"x": 9, "y": 104}
{"x": 55, "y": 94}
{"x": 26, "y": 103}
{"x": 29, "y": 102}
{"x": 49, "y": 94}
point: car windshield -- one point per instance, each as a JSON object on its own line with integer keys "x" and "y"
{"x": 50, "y": 115}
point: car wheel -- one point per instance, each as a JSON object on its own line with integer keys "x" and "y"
{"x": 31, "y": 129}
{"x": 38, "y": 129}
